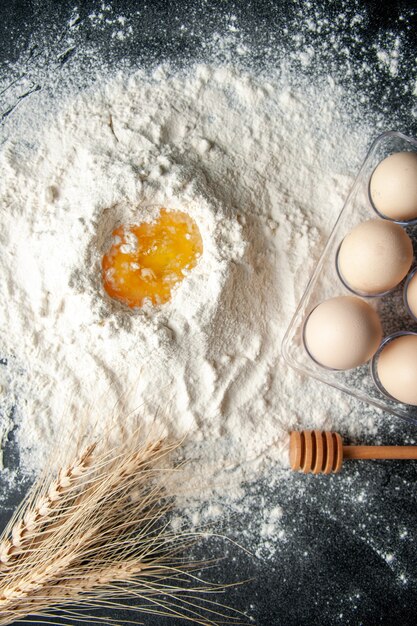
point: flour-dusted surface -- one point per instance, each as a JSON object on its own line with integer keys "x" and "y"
{"x": 251, "y": 162}
{"x": 334, "y": 551}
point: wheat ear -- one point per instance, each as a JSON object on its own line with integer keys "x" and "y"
{"x": 25, "y": 529}
{"x": 98, "y": 535}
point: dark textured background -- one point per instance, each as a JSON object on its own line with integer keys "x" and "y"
{"x": 349, "y": 553}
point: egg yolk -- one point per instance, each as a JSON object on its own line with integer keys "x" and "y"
{"x": 147, "y": 260}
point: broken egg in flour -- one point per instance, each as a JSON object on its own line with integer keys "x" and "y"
{"x": 342, "y": 333}
{"x": 146, "y": 261}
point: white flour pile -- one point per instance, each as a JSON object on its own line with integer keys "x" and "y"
{"x": 263, "y": 167}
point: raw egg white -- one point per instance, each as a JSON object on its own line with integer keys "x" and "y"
{"x": 411, "y": 294}
{"x": 342, "y": 332}
{"x": 375, "y": 256}
{"x": 397, "y": 368}
{"x": 393, "y": 187}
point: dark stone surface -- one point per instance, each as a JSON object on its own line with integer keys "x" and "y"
{"x": 348, "y": 553}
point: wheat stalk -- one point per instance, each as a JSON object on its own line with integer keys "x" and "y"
{"x": 98, "y": 535}
{"x": 24, "y": 530}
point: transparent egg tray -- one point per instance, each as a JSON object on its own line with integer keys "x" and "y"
{"x": 325, "y": 283}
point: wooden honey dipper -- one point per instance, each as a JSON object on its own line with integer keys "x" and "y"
{"x": 322, "y": 452}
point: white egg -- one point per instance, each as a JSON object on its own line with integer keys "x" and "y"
{"x": 375, "y": 256}
{"x": 393, "y": 187}
{"x": 411, "y": 294}
{"x": 342, "y": 332}
{"x": 397, "y": 368}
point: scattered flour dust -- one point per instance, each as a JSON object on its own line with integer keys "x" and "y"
{"x": 263, "y": 167}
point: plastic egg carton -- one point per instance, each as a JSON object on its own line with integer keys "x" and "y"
{"x": 325, "y": 283}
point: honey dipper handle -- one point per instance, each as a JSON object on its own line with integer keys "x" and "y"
{"x": 380, "y": 452}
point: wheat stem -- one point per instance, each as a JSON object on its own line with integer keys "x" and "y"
{"x": 98, "y": 537}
